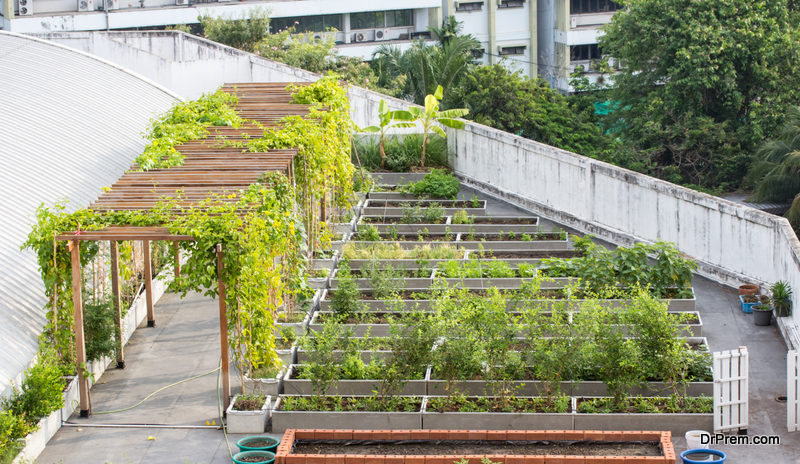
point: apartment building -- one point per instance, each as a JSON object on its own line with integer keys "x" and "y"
{"x": 362, "y": 25}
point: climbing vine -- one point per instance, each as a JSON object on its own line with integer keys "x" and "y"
{"x": 186, "y": 121}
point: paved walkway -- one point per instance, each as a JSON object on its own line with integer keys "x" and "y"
{"x": 185, "y": 343}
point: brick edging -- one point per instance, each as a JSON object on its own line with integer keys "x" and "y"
{"x": 283, "y": 454}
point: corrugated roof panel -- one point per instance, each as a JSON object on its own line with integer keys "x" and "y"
{"x": 70, "y": 124}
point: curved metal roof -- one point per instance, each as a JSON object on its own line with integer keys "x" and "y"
{"x": 70, "y": 123}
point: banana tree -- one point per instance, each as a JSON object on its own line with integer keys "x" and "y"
{"x": 387, "y": 120}
{"x": 431, "y": 115}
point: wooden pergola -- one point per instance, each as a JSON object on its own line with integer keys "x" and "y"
{"x": 210, "y": 169}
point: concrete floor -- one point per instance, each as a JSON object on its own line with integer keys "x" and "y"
{"x": 185, "y": 343}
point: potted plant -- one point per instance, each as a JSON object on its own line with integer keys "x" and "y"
{"x": 748, "y": 289}
{"x": 253, "y": 456}
{"x": 258, "y": 443}
{"x": 748, "y": 301}
{"x": 762, "y": 313}
{"x": 248, "y": 414}
{"x": 781, "y": 298}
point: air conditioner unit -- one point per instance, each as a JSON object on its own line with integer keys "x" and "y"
{"x": 181, "y": 2}
{"x": 359, "y": 37}
{"x": 25, "y": 7}
{"x": 85, "y": 5}
{"x": 112, "y": 5}
{"x": 381, "y": 34}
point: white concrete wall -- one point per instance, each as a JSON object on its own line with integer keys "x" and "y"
{"x": 732, "y": 243}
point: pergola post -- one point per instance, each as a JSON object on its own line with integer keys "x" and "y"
{"x": 117, "y": 303}
{"x": 148, "y": 284}
{"x": 223, "y": 332}
{"x": 80, "y": 347}
{"x": 176, "y": 250}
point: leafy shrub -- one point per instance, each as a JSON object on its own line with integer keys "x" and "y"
{"x": 461, "y": 217}
{"x": 369, "y": 234}
{"x": 437, "y": 184}
{"x": 243, "y": 34}
{"x": 41, "y": 390}
{"x": 345, "y": 298}
{"x": 13, "y": 429}
{"x": 99, "y": 329}
{"x": 402, "y": 152}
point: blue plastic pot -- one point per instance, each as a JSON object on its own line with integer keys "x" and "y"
{"x": 268, "y": 457}
{"x": 244, "y": 446}
{"x": 703, "y": 453}
{"x": 747, "y": 308}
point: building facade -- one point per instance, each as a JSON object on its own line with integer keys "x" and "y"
{"x": 361, "y": 25}
{"x": 540, "y": 38}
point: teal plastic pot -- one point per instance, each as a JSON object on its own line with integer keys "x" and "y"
{"x": 266, "y": 455}
{"x": 259, "y": 443}
{"x": 702, "y": 455}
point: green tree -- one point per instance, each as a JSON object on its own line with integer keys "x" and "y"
{"x": 701, "y": 82}
{"x": 511, "y": 102}
{"x": 777, "y": 169}
{"x": 241, "y": 33}
{"x": 426, "y": 66}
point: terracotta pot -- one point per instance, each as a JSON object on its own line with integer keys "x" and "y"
{"x": 748, "y": 289}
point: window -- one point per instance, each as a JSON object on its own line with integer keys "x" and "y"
{"x": 477, "y": 53}
{"x": 318, "y": 23}
{"x": 469, "y": 6}
{"x": 585, "y": 52}
{"x": 511, "y": 4}
{"x": 594, "y": 6}
{"x": 381, "y": 19}
{"x": 516, "y": 50}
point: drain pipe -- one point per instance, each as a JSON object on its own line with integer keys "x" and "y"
{"x": 140, "y": 426}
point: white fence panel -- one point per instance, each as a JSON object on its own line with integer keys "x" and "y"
{"x": 731, "y": 391}
{"x": 793, "y": 391}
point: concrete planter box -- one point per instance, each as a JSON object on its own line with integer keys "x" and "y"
{"x": 397, "y": 178}
{"x": 247, "y": 421}
{"x": 578, "y": 388}
{"x": 37, "y": 440}
{"x": 392, "y": 223}
{"x": 513, "y": 245}
{"x": 348, "y": 387}
{"x": 506, "y": 283}
{"x": 392, "y": 196}
{"x": 675, "y": 304}
{"x": 367, "y": 355}
{"x": 378, "y": 208}
{"x": 289, "y": 356}
{"x": 337, "y": 245}
{"x": 359, "y": 330}
{"x": 597, "y": 388}
{"x": 271, "y": 387}
{"x": 378, "y": 420}
{"x": 358, "y": 264}
{"x": 495, "y": 420}
{"x": 406, "y": 245}
{"x": 678, "y": 424}
{"x": 72, "y": 397}
{"x": 381, "y": 305}
{"x": 298, "y": 327}
{"x": 326, "y": 263}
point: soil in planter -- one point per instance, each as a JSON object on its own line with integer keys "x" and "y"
{"x": 515, "y": 237}
{"x": 515, "y": 221}
{"x": 298, "y": 373}
{"x": 645, "y": 405}
{"x": 412, "y": 273}
{"x": 395, "y": 220}
{"x": 415, "y": 238}
{"x": 477, "y": 447}
{"x": 361, "y": 318}
{"x": 260, "y": 444}
{"x": 249, "y": 403}
{"x": 509, "y": 404}
{"x": 423, "y": 204}
{"x": 350, "y": 403}
{"x": 254, "y": 458}
{"x": 531, "y": 254}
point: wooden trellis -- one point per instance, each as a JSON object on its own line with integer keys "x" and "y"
{"x": 210, "y": 169}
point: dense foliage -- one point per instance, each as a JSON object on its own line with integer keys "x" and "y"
{"x": 702, "y": 82}
{"x": 776, "y": 172}
{"x": 242, "y": 33}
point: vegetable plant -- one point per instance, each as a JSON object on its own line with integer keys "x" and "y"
{"x": 436, "y": 184}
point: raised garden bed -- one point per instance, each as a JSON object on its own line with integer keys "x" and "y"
{"x": 361, "y": 412}
{"x": 525, "y": 413}
{"x": 292, "y": 385}
{"x": 480, "y": 224}
{"x": 677, "y": 423}
{"x": 498, "y": 242}
{"x": 245, "y": 416}
{"x": 448, "y": 446}
{"x": 265, "y": 386}
{"x": 399, "y": 209}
